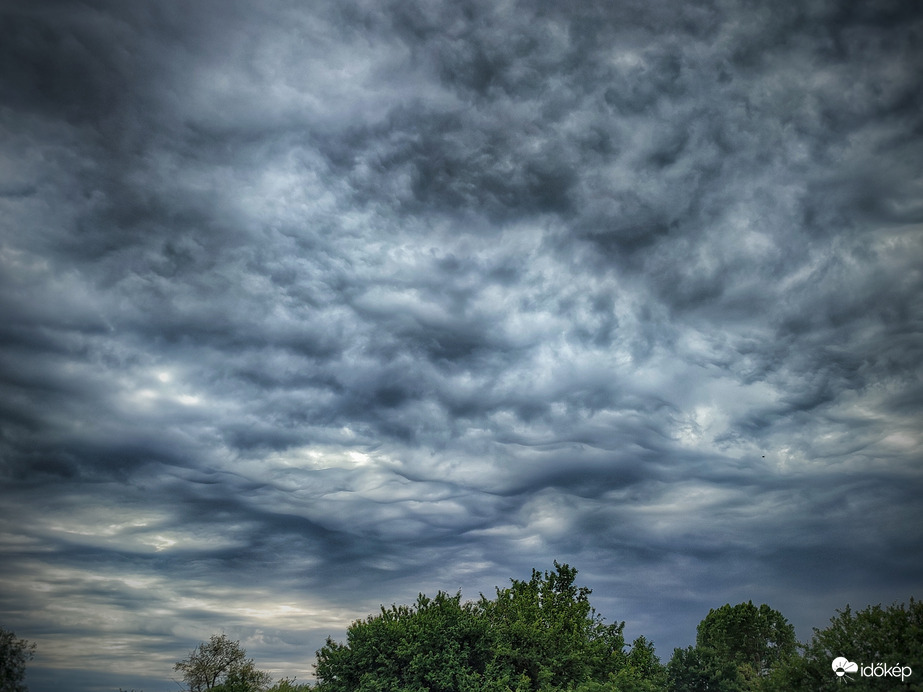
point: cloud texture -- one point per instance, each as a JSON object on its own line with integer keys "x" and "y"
{"x": 308, "y": 307}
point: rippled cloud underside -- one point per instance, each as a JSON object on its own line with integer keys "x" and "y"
{"x": 309, "y": 307}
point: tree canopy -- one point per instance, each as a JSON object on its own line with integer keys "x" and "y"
{"x": 543, "y": 635}
{"x": 221, "y": 665}
{"x": 891, "y": 635}
{"x": 540, "y": 634}
{"x": 439, "y": 644}
{"x": 14, "y": 654}
{"x": 736, "y": 648}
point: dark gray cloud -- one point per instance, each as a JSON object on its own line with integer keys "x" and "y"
{"x": 308, "y": 309}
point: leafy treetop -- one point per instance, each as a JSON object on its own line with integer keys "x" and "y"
{"x": 221, "y": 665}
{"x": 14, "y": 654}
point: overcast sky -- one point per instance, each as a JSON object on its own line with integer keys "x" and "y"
{"x": 309, "y": 307}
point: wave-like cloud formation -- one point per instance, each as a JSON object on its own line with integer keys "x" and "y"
{"x": 310, "y": 308}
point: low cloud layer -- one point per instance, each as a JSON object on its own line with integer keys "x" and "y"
{"x": 305, "y": 309}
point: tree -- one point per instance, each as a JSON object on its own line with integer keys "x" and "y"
{"x": 892, "y": 635}
{"x": 695, "y": 669}
{"x": 438, "y": 644}
{"x": 14, "y": 653}
{"x": 737, "y": 648}
{"x": 221, "y": 665}
{"x": 644, "y": 671}
{"x": 549, "y": 637}
{"x": 540, "y": 634}
{"x": 754, "y": 639}
{"x": 289, "y": 685}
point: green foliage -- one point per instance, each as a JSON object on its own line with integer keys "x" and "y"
{"x": 644, "y": 671}
{"x": 694, "y": 669}
{"x": 892, "y": 635}
{"x": 221, "y": 665}
{"x": 541, "y": 634}
{"x": 438, "y": 644}
{"x": 737, "y": 648}
{"x": 14, "y": 654}
{"x": 246, "y": 678}
{"x": 549, "y": 636}
{"x": 752, "y": 638}
{"x": 289, "y": 685}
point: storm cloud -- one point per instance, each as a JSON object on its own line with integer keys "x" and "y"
{"x": 309, "y": 307}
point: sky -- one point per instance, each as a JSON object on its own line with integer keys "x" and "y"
{"x": 308, "y": 307}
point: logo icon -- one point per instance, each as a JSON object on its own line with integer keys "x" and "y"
{"x": 841, "y": 666}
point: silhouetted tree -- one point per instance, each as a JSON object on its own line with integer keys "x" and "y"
{"x": 221, "y": 665}
{"x": 14, "y": 653}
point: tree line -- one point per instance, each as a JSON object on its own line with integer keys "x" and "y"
{"x": 543, "y": 635}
